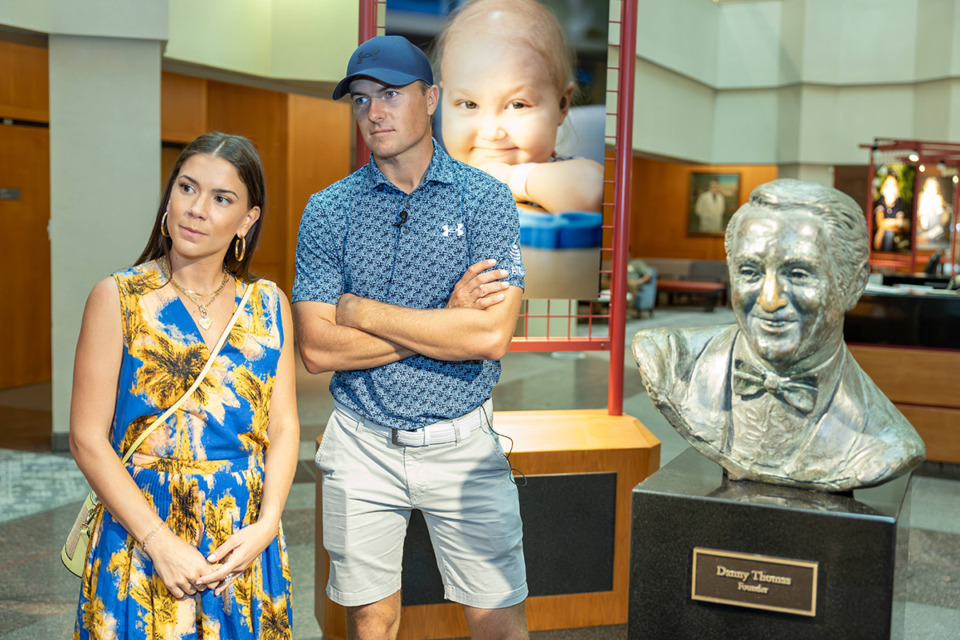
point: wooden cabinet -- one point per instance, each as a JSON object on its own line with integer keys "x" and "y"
{"x": 922, "y": 383}
{"x": 25, "y": 255}
{"x": 909, "y": 345}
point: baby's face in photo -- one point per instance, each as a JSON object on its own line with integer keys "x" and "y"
{"x": 499, "y": 104}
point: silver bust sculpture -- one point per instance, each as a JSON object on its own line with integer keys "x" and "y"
{"x": 777, "y": 397}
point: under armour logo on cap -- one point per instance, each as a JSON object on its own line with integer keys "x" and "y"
{"x": 361, "y": 55}
{"x": 392, "y": 61}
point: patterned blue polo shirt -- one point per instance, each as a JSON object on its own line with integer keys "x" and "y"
{"x": 350, "y": 242}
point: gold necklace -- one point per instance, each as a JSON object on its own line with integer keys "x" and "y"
{"x": 205, "y": 320}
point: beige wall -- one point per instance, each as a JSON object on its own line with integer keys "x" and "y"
{"x": 139, "y": 19}
{"x": 794, "y": 83}
{"x": 104, "y": 161}
{"x": 306, "y": 40}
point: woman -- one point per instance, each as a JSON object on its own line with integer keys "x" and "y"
{"x": 189, "y": 543}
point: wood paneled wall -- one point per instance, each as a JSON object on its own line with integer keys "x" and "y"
{"x": 25, "y": 256}
{"x": 659, "y": 207}
{"x": 261, "y": 116}
{"x": 183, "y": 107}
{"x": 318, "y": 154}
{"x": 24, "y": 243}
{"x": 24, "y": 90}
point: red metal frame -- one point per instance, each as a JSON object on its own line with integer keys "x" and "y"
{"x": 367, "y": 29}
{"x": 621, "y": 230}
{"x": 616, "y": 214}
{"x": 929, "y": 154}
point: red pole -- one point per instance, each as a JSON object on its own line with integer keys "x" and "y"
{"x": 870, "y": 172}
{"x": 954, "y": 226}
{"x": 917, "y": 177}
{"x": 367, "y": 29}
{"x": 621, "y": 208}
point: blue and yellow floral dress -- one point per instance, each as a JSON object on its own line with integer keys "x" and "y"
{"x": 202, "y": 470}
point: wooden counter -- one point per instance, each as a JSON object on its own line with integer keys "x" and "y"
{"x": 924, "y": 384}
{"x": 909, "y": 344}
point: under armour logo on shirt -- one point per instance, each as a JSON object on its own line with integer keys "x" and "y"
{"x": 372, "y": 55}
{"x": 517, "y": 268}
{"x": 447, "y": 230}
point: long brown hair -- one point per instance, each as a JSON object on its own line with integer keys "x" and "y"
{"x": 239, "y": 152}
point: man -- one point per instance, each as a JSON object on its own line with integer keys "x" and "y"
{"x": 396, "y": 292}
{"x": 710, "y": 207}
{"x": 777, "y": 397}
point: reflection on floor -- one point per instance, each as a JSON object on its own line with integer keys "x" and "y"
{"x": 40, "y": 495}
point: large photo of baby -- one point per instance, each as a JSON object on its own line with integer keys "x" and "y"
{"x": 522, "y": 92}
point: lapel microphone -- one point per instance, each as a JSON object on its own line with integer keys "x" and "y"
{"x": 403, "y": 218}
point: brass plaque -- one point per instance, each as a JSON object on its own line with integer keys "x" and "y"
{"x": 755, "y": 581}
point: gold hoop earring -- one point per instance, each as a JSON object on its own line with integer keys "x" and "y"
{"x": 240, "y": 248}
{"x": 163, "y": 225}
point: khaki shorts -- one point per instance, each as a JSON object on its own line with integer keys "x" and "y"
{"x": 464, "y": 489}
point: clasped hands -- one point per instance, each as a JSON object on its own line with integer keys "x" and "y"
{"x": 184, "y": 570}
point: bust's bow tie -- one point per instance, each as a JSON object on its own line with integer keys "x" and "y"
{"x": 800, "y": 392}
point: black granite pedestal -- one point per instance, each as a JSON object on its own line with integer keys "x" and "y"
{"x": 851, "y": 541}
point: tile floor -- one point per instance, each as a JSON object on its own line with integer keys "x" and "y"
{"x": 40, "y": 494}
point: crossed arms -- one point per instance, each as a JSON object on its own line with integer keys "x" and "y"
{"x": 477, "y": 323}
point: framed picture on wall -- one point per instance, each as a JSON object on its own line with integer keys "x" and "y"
{"x": 713, "y": 199}
{"x": 935, "y": 212}
{"x": 893, "y": 192}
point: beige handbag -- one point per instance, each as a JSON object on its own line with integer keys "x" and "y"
{"x": 77, "y": 546}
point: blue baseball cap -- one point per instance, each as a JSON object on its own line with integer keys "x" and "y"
{"x": 392, "y": 60}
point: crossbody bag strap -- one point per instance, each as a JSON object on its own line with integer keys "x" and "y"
{"x": 196, "y": 383}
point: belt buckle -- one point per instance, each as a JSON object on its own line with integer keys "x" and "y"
{"x": 395, "y": 437}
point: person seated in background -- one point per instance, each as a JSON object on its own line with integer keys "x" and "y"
{"x": 639, "y": 271}
{"x": 639, "y": 274}
{"x": 642, "y": 285}
{"x": 506, "y": 80}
